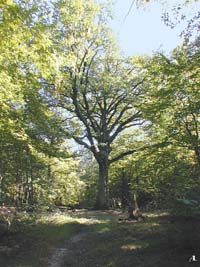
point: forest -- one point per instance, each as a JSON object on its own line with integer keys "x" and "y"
{"x": 86, "y": 131}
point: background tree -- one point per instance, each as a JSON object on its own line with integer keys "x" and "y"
{"x": 173, "y": 97}
{"x": 160, "y": 178}
{"x": 30, "y": 131}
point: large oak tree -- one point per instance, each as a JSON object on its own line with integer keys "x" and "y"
{"x": 97, "y": 92}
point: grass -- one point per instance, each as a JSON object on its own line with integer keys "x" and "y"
{"x": 158, "y": 241}
{"x": 30, "y": 242}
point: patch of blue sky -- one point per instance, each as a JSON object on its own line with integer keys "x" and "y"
{"x": 143, "y": 30}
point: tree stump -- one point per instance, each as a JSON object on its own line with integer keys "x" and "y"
{"x": 4, "y": 226}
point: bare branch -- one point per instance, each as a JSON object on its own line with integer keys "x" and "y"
{"x": 115, "y": 103}
{"x": 119, "y": 117}
{"x": 122, "y": 155}
{"x": 121, "y": 126}
{"x": 134, "y": 124}
{"x": 81, "y": 142}
{"x": 88, "y": 69}
{"x": 166, "y": 142}
{"x": 136, "y": 85}
{"x": 79, "y": 113}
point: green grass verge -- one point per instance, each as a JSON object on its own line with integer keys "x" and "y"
{"x": 31, "y": 240}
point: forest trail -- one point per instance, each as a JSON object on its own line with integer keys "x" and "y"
{"x": 74, "y": 252}
{"x": 66, "y": 251}
{"x": 99, "y": 239}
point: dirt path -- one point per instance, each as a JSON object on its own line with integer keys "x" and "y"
{"x": 66, "y": 251}
{"x": 75, "y": 252}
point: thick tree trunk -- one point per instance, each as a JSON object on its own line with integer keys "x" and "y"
{"x": 102, "y": 195}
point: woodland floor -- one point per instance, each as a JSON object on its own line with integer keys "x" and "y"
{"x": 98, "y": 239}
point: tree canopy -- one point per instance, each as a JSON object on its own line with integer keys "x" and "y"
{"x": 62, "y": 78}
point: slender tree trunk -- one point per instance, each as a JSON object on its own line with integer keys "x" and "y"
{"x": 26, "y": 187}
{"x": 31, "y": 194}
{"x": 197, "y": 153}
{"x": 102, "y": 196}
{"x": 132, "y": 207}
{"x": 1, "y": 180}
{"x": 135, "y": 201}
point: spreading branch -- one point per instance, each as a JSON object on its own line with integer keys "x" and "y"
{"x": 122, "y": 155}
{"x": 129, "y": 152}
{"x": 123, "y": 124}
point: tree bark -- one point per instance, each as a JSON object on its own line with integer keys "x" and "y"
{"x": 102, "y": 196}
